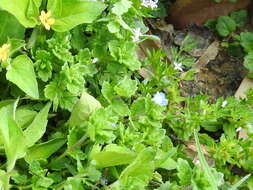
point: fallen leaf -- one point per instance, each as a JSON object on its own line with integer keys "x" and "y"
{"x": 210, "y": 54}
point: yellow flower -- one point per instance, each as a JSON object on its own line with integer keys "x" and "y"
{"x": 46, "y": 20}
{"x": 4, "y": 52}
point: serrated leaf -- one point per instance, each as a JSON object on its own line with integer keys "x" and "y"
{"x": 121, "y": 7}
{"x": 38, "y": 127}
{"x": 126, "y": 87}
{"x": 22, "y": 74}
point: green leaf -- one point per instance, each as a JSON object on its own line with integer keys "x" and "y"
{"x": 44, "y": 150}
{"x": 8, "y": 22}
{"x": 113, "y": 155}
{"x": 38, "y": 127}
{"x": 26, "y": 11}
{"x": 248, "y": 62}
{"x": 225, "y": 26}
{"x": 121, "y": 7}
{"x": 107, "y": 91}
{"x": 240, "y": 17}
{"x": 70, "y": 13}
{"x": 120, "y": 108}
{"x": 184, "y": 172}
{"x": 211, "y": 177}
{"x": 247, "y": 41}
{"x": 24, "y": 117}
{"x": 113, "y": 27}
{"x": 22, "y": 74}
{"x": 11, "y": 133}
{"x": 140, "y": 171}
{"x": 125, "y": 53}
{"x": 126, "y": 87}
{"x": 83, "y": 109}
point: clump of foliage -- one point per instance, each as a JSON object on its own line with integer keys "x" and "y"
{"x": 76, "y": 113}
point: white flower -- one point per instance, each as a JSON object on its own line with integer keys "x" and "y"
{"x": 113, "y": 124}
{"x": 94, "y": 60}
{"x": 224, "y": 103}
{"x": 150, "y": 3}
{"x": 137, "y": 34}
{"x": 160, "y": 99}
{"x": 178, "y": 66}
{"x": 238, "y": 129}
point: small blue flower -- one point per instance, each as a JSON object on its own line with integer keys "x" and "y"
{"x": 160, "y": 99}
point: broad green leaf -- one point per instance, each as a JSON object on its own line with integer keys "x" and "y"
{"x": 140, "y": 171}
{"x": 247, "y": 41}
{"x": 8, "y": 22}
{"x": 121, "y": 7}
{"x": 107, "y": 91}
{"x": 24, "y": 117}
{"x": 113, "y": 155}
{"x": 38, "y": 127}
{"x": 83, "y": 109}
{"x": 240, "y": 17}
{"x": 26, "y": 11}
{"x": 22, "y": 74}
{"x": 120, "y": 107}
{"x": 70, "y": 13}
{"x": 248, "y": 62}
{"x": 11, "y": 133}
{"x": 44, "y": 150}
{"x": 184, "y": 172}
{"x": 225, "y": 26}
{"x": 126, "y": 87}
{"x": 168, "y": 164}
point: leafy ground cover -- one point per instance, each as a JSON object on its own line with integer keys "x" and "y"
{"x": 79, "y": 108}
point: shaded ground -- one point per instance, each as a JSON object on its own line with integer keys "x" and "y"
{"x": 219, "y": 77}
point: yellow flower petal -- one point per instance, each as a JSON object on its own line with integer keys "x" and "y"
{"x": 46, "y": 20}
{"x": 4, "y": 52}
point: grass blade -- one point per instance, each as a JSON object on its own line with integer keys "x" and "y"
{"x": 204, "y": 164}
{"x": 241, "y": 181}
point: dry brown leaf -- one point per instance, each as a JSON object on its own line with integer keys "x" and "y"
{"x": 246, "y": 84}
{"x": 210, "y": 54}
{"x": 185, "y": 12}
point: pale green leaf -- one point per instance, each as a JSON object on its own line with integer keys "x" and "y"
{"x": 83, "y": 109}
{"x": 139, "y": 171}
{"x": 22, "y": 74}
{"x": 126, "y": 87}
{"x": 113, "y": 155}
{"x": 70, "y": 13}
{"x": 26, "y": 11}
{"x": 38, "y": 127}
{"x": 121, "y": 7}
{"x": 11, "y": 133}
{"x": 44, "y": 150}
